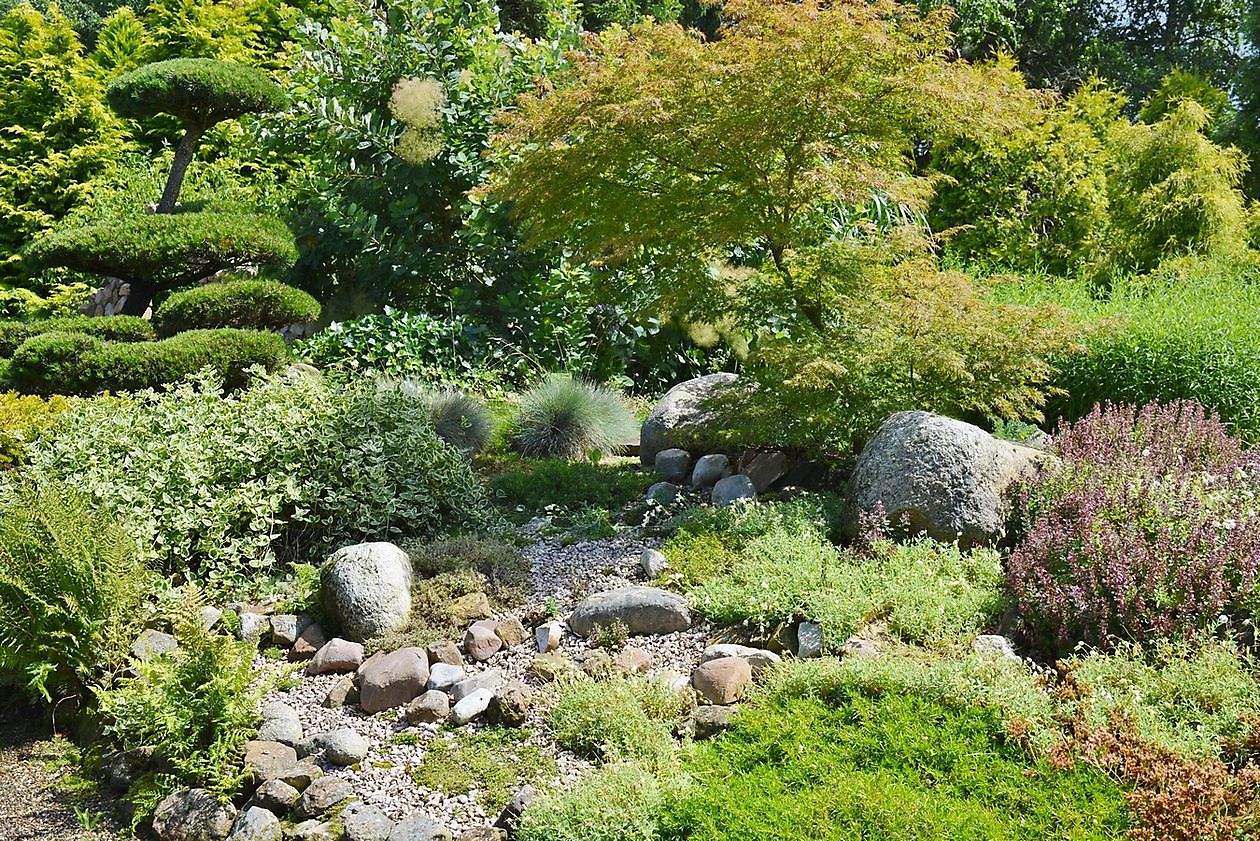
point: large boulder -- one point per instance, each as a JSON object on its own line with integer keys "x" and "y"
{"x": 367, "y": 588}
{"x": 939, "y": 476}
{"x": 682, "y": 419}
{"x": 193, "y": 814}
{"x": 643, "y": 610}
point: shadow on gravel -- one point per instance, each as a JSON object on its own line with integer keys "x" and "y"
{"x": 33, "y": 804}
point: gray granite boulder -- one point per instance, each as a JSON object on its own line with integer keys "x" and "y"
{"x": 193, "y": 814}
{"x": 643, "y": 610}
{"x": 683, "y": 418}
{"x": 367, "y": 588}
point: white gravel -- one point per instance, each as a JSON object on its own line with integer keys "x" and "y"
{"x": 560, "y": 577}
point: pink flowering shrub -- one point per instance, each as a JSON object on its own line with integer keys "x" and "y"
{"x": 1148, "y": 527}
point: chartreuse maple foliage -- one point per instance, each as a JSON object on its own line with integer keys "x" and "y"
{"x": 746, "y": 181}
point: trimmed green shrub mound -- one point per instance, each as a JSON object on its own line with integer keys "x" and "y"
{"x": 898, "y": 766}
{"x": 200, "y": 91}
{"x": 218, "y": 486}
{"x": 115, "y": 328}
{"x": 250, "y": 304}
{"x": 167, "y": 249}
{"x": 570, "y": 485}
{"x": 72, "y": 363}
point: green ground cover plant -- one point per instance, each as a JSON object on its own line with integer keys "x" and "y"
{"x": 618, "y": 718}
{"x": 122, "y": 328}
{"x": 895, "y": 766}
{"x": 532, "y": 486}
{"x": 616, "y": 802}
{"x": 222, "y": 486}
{"x": 495, "y": 762}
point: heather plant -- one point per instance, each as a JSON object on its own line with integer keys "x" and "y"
{"x": 617, "y": 719}
{"x": 1146, "y": 529}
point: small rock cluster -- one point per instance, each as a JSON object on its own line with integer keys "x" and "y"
{"x": 725, "y": 481}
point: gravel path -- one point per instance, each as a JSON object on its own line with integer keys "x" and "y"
{"x": 32, "y": 805}
{"x": 560, "y": 577}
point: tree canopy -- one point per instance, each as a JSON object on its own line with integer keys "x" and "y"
{"x": 199, "y": 91}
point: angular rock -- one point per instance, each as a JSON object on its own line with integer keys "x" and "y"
{"x": 443, "y": 676}
{"x": 276, "y": 796}
{"x": 710, "y": 470}
{"x": 300, "y": 776}
{"x": 662, "y": 493}
{"x": 856, "y": 646}
{"x": 285, "y": 628}
{"x": 709, "y": 720}
{"x": 684, "y": 417}
{"x": 511, "y": 814}
{"x": 314, "y": 830}
{"x": 311, "y": 640}
{"x": 445, "y": 652}
{"x": 345, "y": 747}
{"x": 321, "y": 795}
{"x": 939, "y": 476}
{"x": 268, "y": 760}
{"x": 152, "y": 644}
{"x": 653, "y": 562}
{"x": 252, "y": 626}
{"x": 337, "y": 655}
{"x": 643, "y": 610}
{"x": 343, "y": 693}
{"x": 481, "y": 642}
{"x": 490, "y": 679}
{"x": 596, "y": 663}
{"x": 363, "y": 822}
{"x": 722, "y": 681}
{"x": 809, "y": 640}
{"x": 433, "y": 707}
{"x": 367, "y": 589}
{"x": 511, "y": 704}
{"x": 419, "y": 828}
{"x": 758, "y": 658}
{"x": 733, "y": 489}
{"x": 674, "y": 465}
{"x": 547, "y": 636}
{"x": 255, "y": 824}
{"x": 511, "y": 632}
{"x": 280, "y": 723}
{"x": 632, "y": 661}
{"x": 471, "y": 607}
{"x": 193, "y": 814}
{"x": 764, "y": 469}
{"x": 393, "y": 680}
{"x": 549, "y": 667}
{"x": 471, "y": 706}
{"x": 209, "y": 616}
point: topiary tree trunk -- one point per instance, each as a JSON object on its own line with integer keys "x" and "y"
{"x": 184, "y": 153}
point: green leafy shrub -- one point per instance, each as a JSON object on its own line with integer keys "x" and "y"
{"x": 928, "y": 593}
{"x": 568, "y": 418}
{"x": 617, "y": 719}
{"x": 494, "y": 762}
{"x": 440, "y": 352}
{"x": 116, "y": 328}
{"x": 616, "y": 802}
{"x": 71, "y": 588}
{"x": 220, "y": 485}
{"x": 898, "y": 766}
{"x": 75, "y": 363}
{"x": 22, "y": 418}
{"x": 1184, "y": 334}
{"x": 248, "y": 304}
{"x": 195, "y": 706}
{"x": 569, "y": 485}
